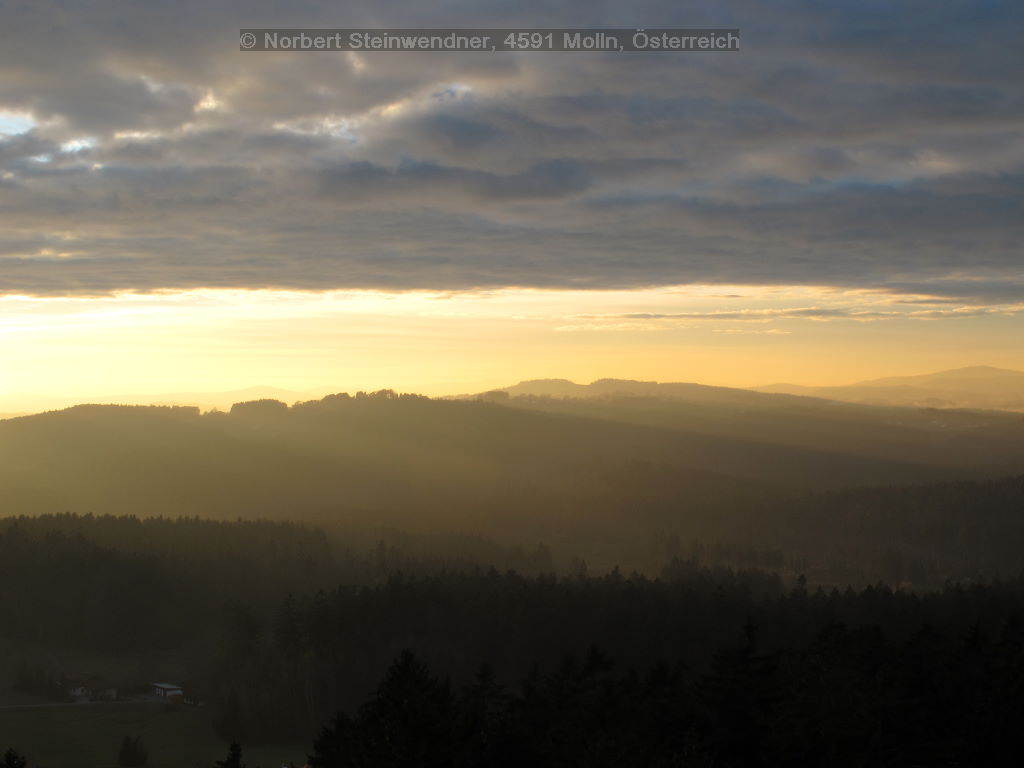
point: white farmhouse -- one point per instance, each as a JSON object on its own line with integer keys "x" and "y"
{"x": 167, "y": 689}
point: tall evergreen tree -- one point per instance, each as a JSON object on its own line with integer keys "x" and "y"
{"x": 234, "y": 758}
{"x": 410, "y": 721}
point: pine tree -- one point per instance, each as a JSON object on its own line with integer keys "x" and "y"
{"x": 410, "y": 721}
{"x": 234, "y": 758}
{"x": 740, "y": 695}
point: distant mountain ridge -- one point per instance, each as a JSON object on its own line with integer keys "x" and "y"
{"x": 977, "y": 387}
{"x": 974, "y": 388}
{"x": 12, "y": 405}
{"x": 612, "y": 387}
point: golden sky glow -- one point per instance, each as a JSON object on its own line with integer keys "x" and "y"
{"x": 68, "y": 349}
{"x": 185, "y": 216}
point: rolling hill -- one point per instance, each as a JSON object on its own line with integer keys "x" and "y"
{"x": 598, "y": 476}
{"x": 533, "y": 464}
{"x": 980, "y": 387}
{"x": 987, "y": 441}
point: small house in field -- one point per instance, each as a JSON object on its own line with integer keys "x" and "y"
{"x": 81, "y": 686}
{"x": 167, "y": 690}
{"x": 79, "y": 691}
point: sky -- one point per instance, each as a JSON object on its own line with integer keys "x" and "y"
{"x": 841, "y": 199}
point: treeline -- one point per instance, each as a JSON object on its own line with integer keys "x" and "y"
{"x": 104, "y": 582}
{"x": 914, "y": 694}
{"x": 268, "y": 639}
{"x": 848, "y": 697}
{"x": 109, "y": 583}
{"x": 324, "y": 653}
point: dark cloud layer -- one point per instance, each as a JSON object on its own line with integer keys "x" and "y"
{"x": 854, "y": 144}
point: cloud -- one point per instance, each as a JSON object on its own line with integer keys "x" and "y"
{"x": 821, "y": 314}
{"x": 875, "y": 150}
{"x": 749, "y": 332}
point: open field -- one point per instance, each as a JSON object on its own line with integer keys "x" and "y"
{"x": 89, "y": 735}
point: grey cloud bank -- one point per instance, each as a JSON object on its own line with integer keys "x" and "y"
{"x": 848, "y": 144}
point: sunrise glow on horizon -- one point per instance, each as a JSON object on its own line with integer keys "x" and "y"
{"x": 444, "y": 343}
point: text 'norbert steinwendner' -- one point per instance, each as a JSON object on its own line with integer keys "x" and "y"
{"x": 490, "y": 40}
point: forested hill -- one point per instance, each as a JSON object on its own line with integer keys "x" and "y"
{"x": 536, "y": 466}
{"x": 988, "y": 440}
